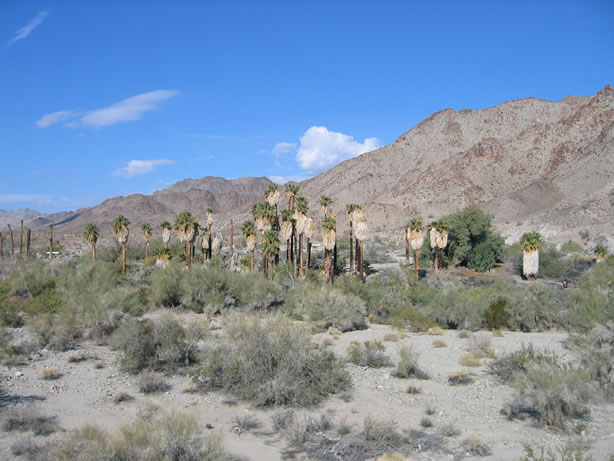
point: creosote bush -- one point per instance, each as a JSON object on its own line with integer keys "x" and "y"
{"x": 368, "y": 354}
{"x": 408, "y": 365}
{"x": 271, "y": 362}
{"x": 27, "y": 418}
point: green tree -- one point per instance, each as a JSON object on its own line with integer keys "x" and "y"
{"x": 166, "y": 232}
{"x": 325, "y": 202}
{"x": 146, "y": 230}
{"x": 121, "y": 229}
{"x": 270, "y": 247}
{"x": 91, "y": 234}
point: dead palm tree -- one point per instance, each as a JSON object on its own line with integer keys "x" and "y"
{"x": 439, "y": 239}
{"x": 91, "y": 234}
{"x": 209, "y": 230}
{"x": 300, "y": 217}
{"x": 12, "y": 241}
{"x": 270, "y": 247}
{"x": 361, "y": 236}
{"x": 329, "y": 235}
{"x": 187, "y": 228}
{"x": 530, "y": 242}
{"x": 146, "y": 230}
{"x": 310, "y": 228}
{"x": 166, "y": 232}
{"x": 120, "y": 227}
{"x": 249, "y": 234}
{"x": 286, "y": 230}
{"x": 415, "y": 237}
{"x": 325, "y": 202}
{"x": 601, "y": 251}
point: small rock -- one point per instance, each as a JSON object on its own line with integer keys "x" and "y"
{"x": 18, "y": 374}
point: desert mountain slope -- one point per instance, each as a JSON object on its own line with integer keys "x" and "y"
{"x": 530, "y": 162}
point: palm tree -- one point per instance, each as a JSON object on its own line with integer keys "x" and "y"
{"x": 439, "y": 239}
{"x": 120, "y": 227}
{"x": 264, "y": 214}
{"x": 163, "y": 256}
{"x": 187, "y": 228}
{"x": 415, "y": 237}
{"x": 271, "y": 195}
{"x": 361, "y": 235}
{"x": 166, "y": 232}
{"x": 270, "y": 247}
{"x": 300, "y": 217}
{"x": 209, "y": 229}
{"x": 601, "y": 251}
{"x": 310, "y": 228}
{"x": 91, "y": 234}
{"x": 325, "y": 202}
{"x": 286, "y": 230}
{"x": 291, "y": 193}
{"x": 329, "y": 235}
{"x": 146, "y": 229}
{"x": 350, "y": 208}
{"x": 530, "y": 242}
{"x": 249, "y": 234}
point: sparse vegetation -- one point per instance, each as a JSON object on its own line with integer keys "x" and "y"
{"x": 150, "y": 382}
{"x": 461, "y": 377}
{"x": 408, "y": 365}
{"x": 50, "y": 373}
{"x": 25, "y": 418}
{"x": 368, "y": 354}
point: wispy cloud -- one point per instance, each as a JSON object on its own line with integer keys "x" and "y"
{"x": 126, "y": 110}
{"x": 54, "y": 117}
{"x": 28, "y": 28}
{"x": 283, "y": 148}
{"x": 45, "y": 201}
{"x": 139, "y": 167}
{"x": 295, "y": 177}
{"x": 321, "y": 148}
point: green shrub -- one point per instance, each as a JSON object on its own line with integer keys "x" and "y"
{"x": 408, "y": 365}
{"x": 165, "y": 285}
{"x": 508, "y": 365}
{"x": 592, "y": 302}
{"x": 572, "y": 247}
{"x": 368, "y": 354}
{"x": 271, "y": 362}
{"x": 482, "y": 257}
{"x": 569, "y": 452}
{"x": 496, "y": 317}
{"x": 327, "y": 307}
{"x": 596, "y": 352}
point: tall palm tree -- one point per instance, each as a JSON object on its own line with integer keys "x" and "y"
{"x": 249, "y": 234}
{"x": 146, "y": 229}
{"x": 270, "y": 247}
{"x": 286, "y": 230}
{"x": 166, "y": 232}
{"x": 350, "y": 208}
{"x": 300, "y": 217}
{"x": 120, "y": 227}
{"x": 329, "y": 235}
{"x": 439, "y": 239}
{"x": 264, "y": 214}
{"x": 415, "y": 236}
{"x": 530, "y": 242}
{"x": 271, "y": 195}
{"x": 187, "y": 229}
{"x": 209, "y": 230}
{"x": 601, "y": 251}
{"x": 91, "y": 234}
{"x": 163, "y": 256}
{"x": 291, "y": 193}
{"x": 310, "y": 228}
{"x": 325, "y": 202}
{"x": 361, "y": 236}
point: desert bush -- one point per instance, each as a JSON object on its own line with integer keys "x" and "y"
{"x": 169, "y": 436}
{"x": 150, "y": 382}
{"x": 438, "y": 343}
{"x": 551, "y": 393}
{"x": 480, "y": 346}
{"x": 496, "y": 317}
{"x": 461, "y": 377}
{"x": 271, "y": 362}
{"x": 596, "y": 352}
{"x": 519, "y": 361}
{"x": 122, "y": 397}
{"x": 391, "y": 337}
{"x": 30, "y": 448}
{"x": 497, "y": 333}
{"x": 25, "y": 418}
{"x": 326, "y": 307}
{"x": 435, "y": 331}
{"x": 246, "y": 423}
{"x": 408, "y": 365}
{"x": 411, "y": 389}
{"x": 76, "y": 357}
{"x": 49, "y": 373}
{"x": 165, "y": 285}
{"x": 475, "y": 446}
{"x": 368, "y": 354}
{"x": 448, "y": 430}
{"x": 572, "y": 247}
{"x": 159, "y": 345}
{"x": 470, "y": 360}
{"x": 464, "y": 334}
{"x": 426, "y": 422}
{"x": 568, "y": 452}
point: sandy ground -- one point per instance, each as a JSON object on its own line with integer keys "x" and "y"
{"x": 84, "y": 393}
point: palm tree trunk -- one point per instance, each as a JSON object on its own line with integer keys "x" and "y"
{"x": 147, "y": 249}
{"x": 356, "y": 252}
{"x": 271, "y": 271}
{"x": 288, "y": 256}
{"x": 231, "y": 238}
{"x": 406, "y": 250}
{"x": 189, "y": 255}
{"x": 252, "y": 259}
{"x": 21, "y": 238}
{"x": 1, "y": 246}
{"x": 351, "y": 248}
{"x": 436, "y": 260}
{"x": 124, "y": 260}
{"x": 210, "y": 249}
{"x": 292, "y": 245}
{"x": 94, "y": 253}
{"x": 265, "y": 263}
{"x": 335, "y": 256}
{"x": 308, "y": 254}
{"x": 28, "y": 236}
{"x": 328, "y": 267}
{"x": 417, "y": 265}
{"x": 12, "y": 242}
{"x": 300, "y": 250}
{"x": 51, "y": 242}
{"x": 362, "y": 278}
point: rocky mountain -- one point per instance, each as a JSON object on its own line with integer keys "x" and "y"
{"x": 14, "y": 216}
{"x": 534, "y": 164}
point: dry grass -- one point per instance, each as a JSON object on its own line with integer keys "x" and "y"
{"x": 391, "y": 337}
{"x": 497, "y": 333}
{"x": 426, "y": 422}
{"x": 334, "y": 331}
{"x": 150, "y": 382}
{"x": 435, "y": 331}
{"x": 411, "y": 389}
{"x": 464, "y": 334}
{"x": 27, "y": 418}
{"x": 49, "y": 373}
{"x": 470, "y": 360}
{"x": 475, "y": 446}
{"x": 393, "y": 456}
{"x": 77, "y": 357}
{"x": 122, "y": 397}
{"x": 247, "y": 423}
{"x": 439, "y": 343}
{"x": 461, "y": 377}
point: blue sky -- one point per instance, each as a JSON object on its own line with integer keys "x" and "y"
{"x": 99, "y": 99}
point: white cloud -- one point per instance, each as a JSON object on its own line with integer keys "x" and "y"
{"x": 139, "y": 167}
{"x": 123, "y": 111}
{"x": 127, "y": 110}
{"x": 283, "y": 148}
{"x": 296, "y": 177}
{"x": 55, "y": 117}
{"x": 28, "y": 28}
{"x": 321, "y": 148}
